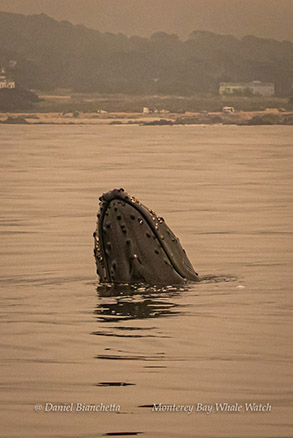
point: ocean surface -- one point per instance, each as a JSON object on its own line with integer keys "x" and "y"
{"x": 226, "y": 192}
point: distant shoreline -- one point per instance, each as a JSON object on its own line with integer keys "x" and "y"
{"x": 268, "y": 117}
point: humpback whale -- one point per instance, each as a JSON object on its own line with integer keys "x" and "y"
{"x": 134, "y": 245}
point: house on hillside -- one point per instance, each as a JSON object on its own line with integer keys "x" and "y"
{"x": 4, "y": 82}
{"x": 255, "y": 88}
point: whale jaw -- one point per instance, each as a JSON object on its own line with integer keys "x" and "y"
{"x": 134, "y": 245}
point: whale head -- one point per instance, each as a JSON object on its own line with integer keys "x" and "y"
{"x": 134, "y": 245}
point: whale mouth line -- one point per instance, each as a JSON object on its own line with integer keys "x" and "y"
{"x": 134, "y": 245}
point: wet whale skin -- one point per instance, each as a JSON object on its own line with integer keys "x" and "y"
{"x": 134, "y": 245}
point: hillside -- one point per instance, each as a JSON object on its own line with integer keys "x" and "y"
{"x": 263, "y": 18}
{"x": 52, "y": 54}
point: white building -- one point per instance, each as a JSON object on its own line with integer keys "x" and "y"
{"x": 4, "y": 82}
{"x": 254, "y": 87}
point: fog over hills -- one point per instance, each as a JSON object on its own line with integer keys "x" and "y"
{"x": 264, "y": 18}
{"x": 52, "y": 54}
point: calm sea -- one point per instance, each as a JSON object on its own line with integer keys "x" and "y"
{"x": 226, "y": 191}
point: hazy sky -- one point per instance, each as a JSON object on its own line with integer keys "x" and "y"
{"x": 267, "y": 18}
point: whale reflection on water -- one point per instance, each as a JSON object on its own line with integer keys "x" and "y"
{"x": 126, "y": 311}
{"x": 128, "y": 302}
{"x": 138, "y": 301}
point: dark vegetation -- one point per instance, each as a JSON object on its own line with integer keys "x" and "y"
{"x": 53, "y": 54}
{"x": 17, "y": 99}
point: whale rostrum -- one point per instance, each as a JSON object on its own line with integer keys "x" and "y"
{"x": 134, "y": 245}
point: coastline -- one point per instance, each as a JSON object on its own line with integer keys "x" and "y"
{"x": 271, "y": 116}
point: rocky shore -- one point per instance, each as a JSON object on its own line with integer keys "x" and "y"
{"x": 249, "y": 118}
